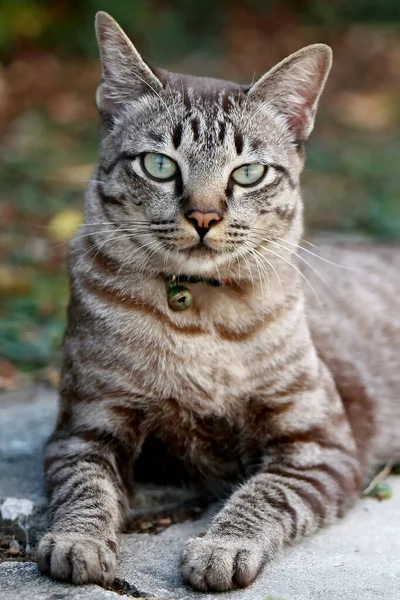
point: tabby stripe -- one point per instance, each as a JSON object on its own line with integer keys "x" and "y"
{"x": 194, "y": 123}
{"x": 107, "y": 169}
{"x": 285, "y": 172}
{"x": 301, "y": 384}
{"x": 77, "y": 489}
{"x": 222, "y": 130}
{"x": 95, "y": 462}
{"x": 112, "y": 296}
{"x": 239, "y": 336}
{"x": 106, "y": 199}
{"x": 314, "y": 435}
{"x": 238, "y": 139}
{"x": 177, "y": 135}
{"x": 339, "y": 477}
{"x": 301, "y": 477}
{"x": 286, "y": 214}
{"x": 112, "y": 545}
{"x": 262, "y": 411}
{"x": 292, "y": 513}
{"x": 281, "y": 505}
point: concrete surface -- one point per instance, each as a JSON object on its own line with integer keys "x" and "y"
{"x": 22, "y": 580}
{"x": 356, "y": 559}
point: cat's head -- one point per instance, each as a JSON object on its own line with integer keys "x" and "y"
{"x": 199, "y": 173}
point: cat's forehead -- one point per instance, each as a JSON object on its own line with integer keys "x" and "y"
{"x": 206, "y": 89}
{"x": 202, "y": 117}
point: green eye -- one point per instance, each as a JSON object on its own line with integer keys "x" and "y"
{"x": 248, "y": 174}
{"x": 159, "y": 166}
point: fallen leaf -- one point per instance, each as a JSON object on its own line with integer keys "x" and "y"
{"x": 381, "y": 491}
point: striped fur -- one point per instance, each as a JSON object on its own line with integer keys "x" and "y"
{"x": 257, "y": 385}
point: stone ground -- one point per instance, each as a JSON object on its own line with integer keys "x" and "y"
{"x": 357, "y": 559}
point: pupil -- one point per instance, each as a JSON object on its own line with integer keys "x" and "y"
{"x": 160, "y": 162}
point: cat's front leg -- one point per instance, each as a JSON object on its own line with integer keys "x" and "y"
{"x": 309, "y": 477}
{"x": 88, "y": 495}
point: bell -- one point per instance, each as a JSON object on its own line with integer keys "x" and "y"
{"x": 179, "y": 297}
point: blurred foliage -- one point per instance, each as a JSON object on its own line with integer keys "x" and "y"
{"x": 49, "y": 129}
{"x": 174, "y": 27}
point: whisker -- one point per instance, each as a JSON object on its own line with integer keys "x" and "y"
{"x": 130, "y": 255}
{"x": 309, "y": 243}
{"x": 83, "y": 235}
{"x": 273, "y": 268}
{"x": 249, "y": 270}
{"x": 304, "y": 261}
{"x": 98, "y": 250}
{"x": 298, "y": 271}
{"x": 330, "y": 262}
{"x": 260, "y": 268}
{"x": 155, "y": 250}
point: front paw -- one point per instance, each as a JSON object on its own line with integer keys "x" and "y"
{"x": 220, "y": 564}
{"x": 77, "y": 558}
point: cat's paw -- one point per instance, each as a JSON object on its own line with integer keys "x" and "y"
{"x": 220, "y": 564}
{"x": 77, "y": 558}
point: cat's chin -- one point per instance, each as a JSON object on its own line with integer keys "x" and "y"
{"x": 201, "y": 251}
{"x": 200, "y": 261}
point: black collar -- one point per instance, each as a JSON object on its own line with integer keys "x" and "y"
{"x": 182, "y": 279}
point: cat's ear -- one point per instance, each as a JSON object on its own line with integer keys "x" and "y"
{"x": 125, "y": 75}
{"x": 294, "y": 86}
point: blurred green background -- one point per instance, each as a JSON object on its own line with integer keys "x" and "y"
{"x": 49, "y": 129}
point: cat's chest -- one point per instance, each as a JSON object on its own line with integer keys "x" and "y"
{"x": 183, "y": 446}
{"x": 201, "y": 374}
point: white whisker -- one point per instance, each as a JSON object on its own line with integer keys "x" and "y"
{"x": 304, "y": 261}
{"x": 298, "y": 271}
{"x": 330, "y": 262}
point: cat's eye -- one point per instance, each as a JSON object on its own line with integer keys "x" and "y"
{"x": 249, "y": 174}
{"x": 159, "y": 166}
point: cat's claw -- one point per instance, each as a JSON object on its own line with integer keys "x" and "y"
{"x": 76, "y": 558}
{"x": 220, "y": 564}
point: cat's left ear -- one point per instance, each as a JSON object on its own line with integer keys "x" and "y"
{"x": 294, "y": 86}
{"x": 125, "y": 75}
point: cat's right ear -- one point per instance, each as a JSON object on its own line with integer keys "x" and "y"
{"x": 125, "y": 75}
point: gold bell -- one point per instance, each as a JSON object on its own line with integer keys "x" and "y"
{"x": 179, "y": 297}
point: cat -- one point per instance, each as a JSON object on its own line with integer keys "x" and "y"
{"x": 197, "y": 350}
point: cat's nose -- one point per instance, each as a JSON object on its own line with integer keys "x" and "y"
{"x": 203, "y": 221}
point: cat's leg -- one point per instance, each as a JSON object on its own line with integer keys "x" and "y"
{"x": 87, "y": 476}
{"x": 310, "y": 476}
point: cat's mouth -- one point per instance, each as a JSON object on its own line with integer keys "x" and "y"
{"x": 199, "y": 249}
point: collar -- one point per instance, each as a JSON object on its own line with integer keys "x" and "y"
{"x": 185, "y": 279}
{"x": 180, "y": 297}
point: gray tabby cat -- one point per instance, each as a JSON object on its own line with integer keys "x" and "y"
{"x": 254, "y": 384}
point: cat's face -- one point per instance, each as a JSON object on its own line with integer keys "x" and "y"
{"x": 203, "y": 171}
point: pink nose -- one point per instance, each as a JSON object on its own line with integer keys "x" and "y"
{"x": 203, "y": 220}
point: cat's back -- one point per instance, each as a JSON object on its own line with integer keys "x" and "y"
{"x": 353, "y": 309}
{"x": 354, "y": 293}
